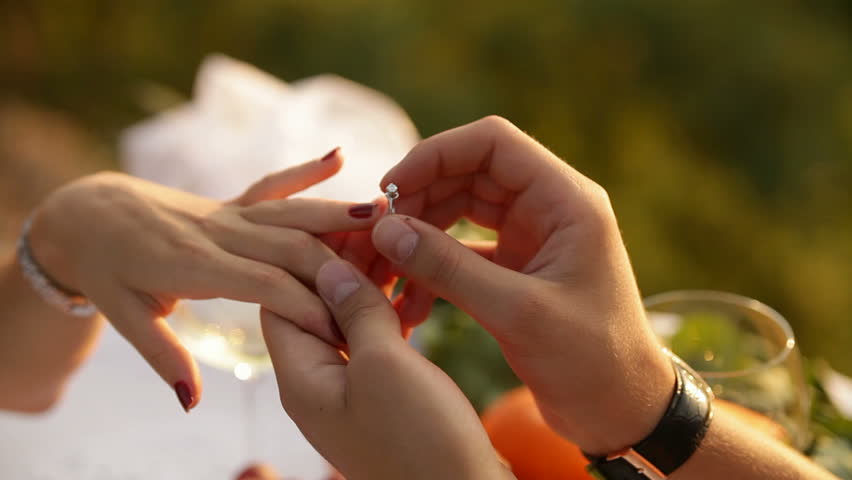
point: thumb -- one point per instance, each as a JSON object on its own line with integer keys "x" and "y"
{"x": 363, "y": 313}
{"x": 437, "y": 261}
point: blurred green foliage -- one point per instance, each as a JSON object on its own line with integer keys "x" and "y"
{"x": 468, "y": 354}
{"x": 721, "y": 129}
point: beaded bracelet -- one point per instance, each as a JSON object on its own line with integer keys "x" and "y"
{"x": 71, "y": 304}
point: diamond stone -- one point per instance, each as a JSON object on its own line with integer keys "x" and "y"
{"x": 392, "y": 188}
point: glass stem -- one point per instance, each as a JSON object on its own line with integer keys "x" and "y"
{"x": 249, "y": 401}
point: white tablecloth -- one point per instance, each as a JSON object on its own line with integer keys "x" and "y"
{"x": 120, "y": 421}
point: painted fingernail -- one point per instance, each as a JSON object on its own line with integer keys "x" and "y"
{"x": 364, "y": 210}
{"x": 394, "y": 239}
{"x": 249, "y": 473}
{"x": 184, "y": 395}
{"x": 331, "y": 154}
{"x": 257, "y": 472}
{"x": 336, "y": 282}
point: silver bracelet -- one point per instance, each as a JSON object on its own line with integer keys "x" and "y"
{"x": 47, "y": 289}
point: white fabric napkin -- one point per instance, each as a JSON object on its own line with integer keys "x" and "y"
{"x": 244, "y": 123}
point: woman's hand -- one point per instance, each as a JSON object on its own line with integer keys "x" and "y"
{"x": 134, "y": 248}
{"x": 382, "y": 411}
{"x": 556, "y": 290}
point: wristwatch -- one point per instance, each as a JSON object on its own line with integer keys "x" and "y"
{"x": 674, "y": 439}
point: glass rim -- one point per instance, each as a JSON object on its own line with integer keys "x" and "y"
{"x": 732, "y": 299}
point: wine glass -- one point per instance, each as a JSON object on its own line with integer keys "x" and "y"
{"x": 226, "y": 334}
{"x": 743, "y": 348}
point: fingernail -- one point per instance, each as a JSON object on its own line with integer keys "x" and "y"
{"x": 364, "y": 210}
{"x": 184, "y": 395}
{"x": 257, "y": 472}
{"x": 331, "y": 154}
{"x": 394, "y": 239}
{"x": 249, "y": 473}
{"x": 336, "y": 282}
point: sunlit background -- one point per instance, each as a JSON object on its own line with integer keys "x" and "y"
{"x": 722, "y": 129}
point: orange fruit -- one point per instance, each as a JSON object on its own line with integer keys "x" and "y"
{"x": 748, "y": 416}
{"x": 535, "y": 452}
{"x": 521, "y": 436}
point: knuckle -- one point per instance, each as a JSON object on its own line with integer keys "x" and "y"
{"x": 300, "y": 241}
{"x": 497, "y": 123}
{"x": 597, "y": 192}
{"x": 115, "y": 190}
{"x": 105, "y": 179}
{"x": 189, "y": 248}
{"x": 360, "y": 311}
{"x": 250, "y": 212}
{"x": 599, "y": 198}
{"x": 99, "y": 188}
{"x": 268, "y": 277}
{"x": 597, "y": 213}
{"x": 158, "y": 307}
{"x": 215, "y": 224}
{"x": 314, "y": 316}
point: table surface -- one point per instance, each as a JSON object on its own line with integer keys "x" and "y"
{"x": 120, "y": 421}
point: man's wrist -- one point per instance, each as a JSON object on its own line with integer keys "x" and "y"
{"x": 632, "y": 411}
{"x": 674, "y": 439}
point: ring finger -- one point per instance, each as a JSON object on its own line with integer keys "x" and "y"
{"x": 314, "y": 215}
{"x": 299, "y": 253}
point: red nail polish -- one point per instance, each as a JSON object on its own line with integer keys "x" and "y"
{"x": 257, "y": 472}
{"x": 364, "y": 210}
{"x": 184, "y": 395}
{"x": 249, "y": 473}
{"x": 330, "y": 155}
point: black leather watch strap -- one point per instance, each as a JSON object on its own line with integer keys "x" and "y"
{"x": 672, "y": 442}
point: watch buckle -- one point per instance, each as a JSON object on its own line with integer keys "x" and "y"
{"x": 640, "y": 463}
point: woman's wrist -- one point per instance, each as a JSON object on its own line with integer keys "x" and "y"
{"x": 52, "y": 257}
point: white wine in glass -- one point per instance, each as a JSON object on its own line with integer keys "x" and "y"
{"x": 224, "y": 334}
